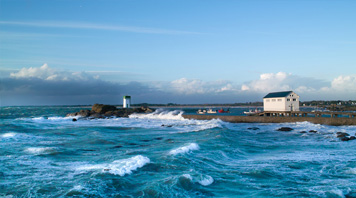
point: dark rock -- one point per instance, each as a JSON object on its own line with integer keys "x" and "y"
{"x": 341, "y": 134}
{"x": 102, "y": 109}
{"x": 84, "y": 113}
{"x": 88, "y": 150}
{"x": 109, "y": 114}
{"x": 146, "y": 109}
{"x": 107, "y": 111}
{"x": 351, "y": 195}
{"x": 74, "y": 119}
{"x": 312, "y": 131}
{"x": 253, "y": 128}
{"x": 96, "y": 115}
{"x": 170, "y": 140}
{"x": 352, "y": 137}
{"x": 285, "y": 129}
{"x": 344, "y": 139}
{"x": 303, "y": 132}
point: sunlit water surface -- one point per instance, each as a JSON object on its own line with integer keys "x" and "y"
{"x": 45, "y": 154}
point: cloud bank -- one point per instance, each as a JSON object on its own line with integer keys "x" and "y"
{"x": 47, "y": 86}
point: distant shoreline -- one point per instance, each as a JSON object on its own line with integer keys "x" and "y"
{"x": 266, "y": 119}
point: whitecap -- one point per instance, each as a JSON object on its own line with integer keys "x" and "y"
{"x": 120, "y": 167}
{"x": 77, "y": 188}
{"x": 40, "y": 150}
{"x": 205, "y": 180}
{"x": 185, "y": 149}
{"x": 337, "y": 192}
{"x": 351, "y": 171}
{"x": 38, "y": 118}
{"x": 187, "y": 176}
{"x": 160, "y": 114}
{"x": 126, "y": 166}
{"x": 8, "y": 135}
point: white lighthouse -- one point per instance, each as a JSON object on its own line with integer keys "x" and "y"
{"x": 127, "y": 102}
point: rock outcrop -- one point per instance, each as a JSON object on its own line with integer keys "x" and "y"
{"x": 106, "y": 111}
{"x": 285, "y": 129}
{"x": 344, "y": 136}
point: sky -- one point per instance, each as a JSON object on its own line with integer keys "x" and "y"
{"x": 63, "y": 52}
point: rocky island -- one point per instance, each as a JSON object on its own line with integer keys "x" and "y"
{"x": 106, "y": 111}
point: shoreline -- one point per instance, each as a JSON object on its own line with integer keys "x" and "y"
{"x": 265, "y": 119}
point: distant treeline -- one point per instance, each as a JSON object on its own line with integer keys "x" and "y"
{"x": 332, "y": 105}
{"x": 207, "y": 104}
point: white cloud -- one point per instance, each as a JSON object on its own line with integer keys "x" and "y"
{"x": 194, "y": 86}
{"x": 45, "y": 85}
{"x": 269, "y": 82}
{"x": 342, "y": 87}
{"x": 46, "y": 73}
{"x": 344, "y": 83}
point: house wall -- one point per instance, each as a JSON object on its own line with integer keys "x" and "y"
{"x": 288, "y": 103}
{"x": 293, "y": 103}
{"x": 274, "y": 104}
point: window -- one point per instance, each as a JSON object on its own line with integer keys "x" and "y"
{"x": 279, "y": 100}
{"x": 288, "y": 99}
{"x": 294, "y": 99}
{"x": 273, "y": 100}
{"x": 267, "y": 100}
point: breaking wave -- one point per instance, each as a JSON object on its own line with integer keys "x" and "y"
{"x": 40, "y": 150}
{"x": 8, "y": 135}
{"x": 160, "y": 114}
{"x": 185, "y": 149}
{"x": 204, "y": 180}
{"x": 119, "y": 167}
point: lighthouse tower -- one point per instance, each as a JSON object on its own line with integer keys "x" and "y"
{"x": 127, "y": 102}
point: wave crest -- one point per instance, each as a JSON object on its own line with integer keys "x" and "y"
{"x": 120, "y": 167}
{"x": 185, "y": 149}
{"x": 8, "y": 135}
{"x": 40, "y": 150}
{"x": 160, "y": 114}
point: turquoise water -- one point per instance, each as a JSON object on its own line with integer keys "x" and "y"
{"x": 45, "y": 154}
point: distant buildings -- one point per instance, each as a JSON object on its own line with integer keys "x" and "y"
{"x": 281, "y": 101}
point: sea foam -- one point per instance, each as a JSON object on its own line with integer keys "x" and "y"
{"x": 120, "y": 167}
{"x": 160, "y": 114}
{"x": 205, "y": 180}
{"x": 185, "y": 149}
{"x": 40, "y": 150}
{"x": 8, "y": 135}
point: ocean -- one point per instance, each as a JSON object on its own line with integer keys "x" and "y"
{"x": 45, "y": 154}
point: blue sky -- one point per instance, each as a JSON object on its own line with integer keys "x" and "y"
{"x": 176, "y": 51}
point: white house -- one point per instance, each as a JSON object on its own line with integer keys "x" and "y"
{"x": 126, "y": 102}
{"x": 281, "y": 101}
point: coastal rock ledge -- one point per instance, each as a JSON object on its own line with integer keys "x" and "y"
{"x": 106, "y": 111}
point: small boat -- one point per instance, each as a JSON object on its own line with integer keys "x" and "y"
{"x": 223, "y": 111}
{"x": 250, "y": 112}
{"x": 211, "y": 111}
{"x": 201, "y": 111}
